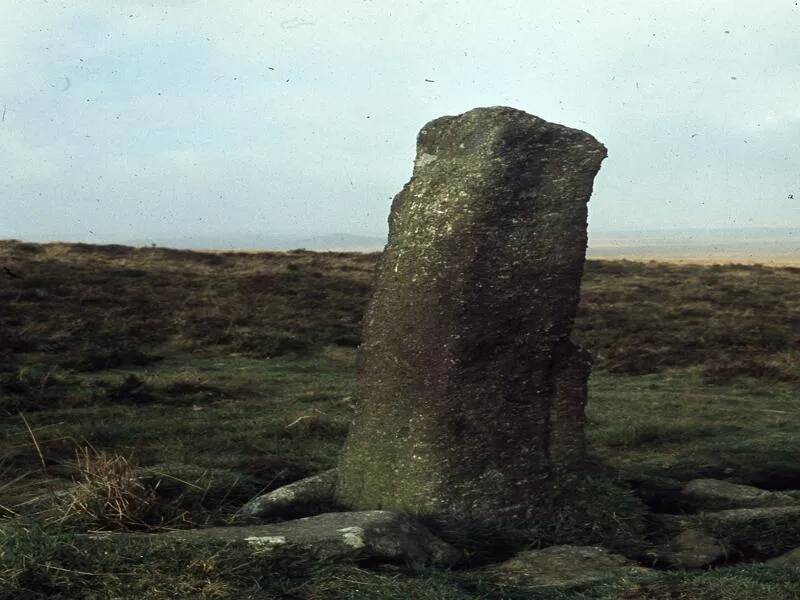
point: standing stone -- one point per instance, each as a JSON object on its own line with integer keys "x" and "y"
{"x": 471, "y": 394}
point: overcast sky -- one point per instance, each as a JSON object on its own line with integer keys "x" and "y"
{"x": 180, "y": 118}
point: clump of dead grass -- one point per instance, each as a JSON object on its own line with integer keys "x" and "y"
{"x": 113, "y": 493}
{"x": 108, "y": 495}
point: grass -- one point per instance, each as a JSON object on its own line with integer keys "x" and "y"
{"x": 247, "y": 431}
{"x": 206, "y": 378}
{"x": 36, "y": 565}
{"x": 682, "y": 427}
{"x": 725, "y": 321}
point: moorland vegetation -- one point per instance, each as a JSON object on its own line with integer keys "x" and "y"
{"x": 144, "y": 389}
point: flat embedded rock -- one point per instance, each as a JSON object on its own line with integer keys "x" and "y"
{"x": 707, "y": 537}
{"x": 375, "y": 534}
{"x": 750, "y": 516}
{"x": 715, "y": 494}
{"x": 755, "y": 532}
{"x": 789, "y": 559}
{"x": 300, "y": 498}
{"x": 564, "y": 566}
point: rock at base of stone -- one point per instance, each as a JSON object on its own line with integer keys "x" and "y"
{"x": 363, "y": 535}
{"x": 305, "y": 497}
{"x": 564, "y": 566}
{"x": 715, "y": 494}
{"x": 708, "y": 537}
{"x": 755, "y": 532}
{"x": 790, "y": 559}
{"x": 690, "y": 546}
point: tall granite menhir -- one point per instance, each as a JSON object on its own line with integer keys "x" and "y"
{"x": 471, "y": 394}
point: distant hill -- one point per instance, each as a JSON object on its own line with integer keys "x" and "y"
{"x": 746, "y": 245}
{"x": 343, "y": 242}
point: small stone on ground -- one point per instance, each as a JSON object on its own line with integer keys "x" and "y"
{"x": 790, "y": 559}
{"x": 714, "y": 494}
{"x": 300, "y": 498}
{"x": 564, "y": 566}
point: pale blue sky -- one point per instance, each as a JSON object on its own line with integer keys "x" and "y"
{"x": 179, "y": 118}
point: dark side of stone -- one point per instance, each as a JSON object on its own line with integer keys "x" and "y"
{"x": 471, "y": 394}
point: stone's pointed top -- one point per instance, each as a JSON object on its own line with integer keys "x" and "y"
{"x": 500, "y": 122}
{"x": 500, "y": 114}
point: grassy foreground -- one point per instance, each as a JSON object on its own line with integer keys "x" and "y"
{"x": 233, "y": 374}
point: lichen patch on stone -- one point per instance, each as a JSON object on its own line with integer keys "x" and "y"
{"x": 266, "y": 540}
{"x": 353, "y": 536}
{"x": 424, "y": 160}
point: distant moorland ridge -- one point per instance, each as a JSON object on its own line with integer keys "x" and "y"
{"x": 778, "y": 246}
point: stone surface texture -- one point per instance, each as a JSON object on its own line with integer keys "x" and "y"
{"x": 471, "y": 394}
{"x": 303, "y": 496}
{"x": 373, "y": 535}
{"x": 564, "y": 566}
{"x": 714, "y": 494}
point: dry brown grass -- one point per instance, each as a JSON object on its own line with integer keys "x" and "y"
{"x": 77, "y": 307}
{"x": 109, "y": 496}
